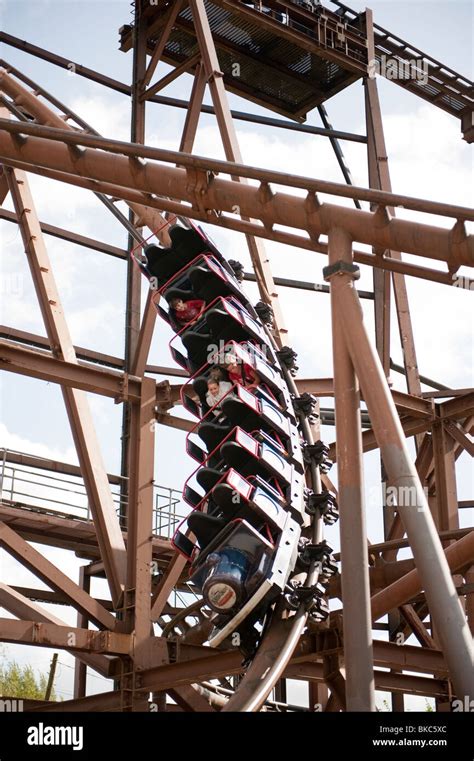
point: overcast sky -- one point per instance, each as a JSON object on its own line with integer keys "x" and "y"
{"x": 427, "y": 158}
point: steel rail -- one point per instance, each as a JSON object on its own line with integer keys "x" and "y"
{"x": 139, "y": 151}
{"x": 283, "y": 634}
{"x": 361, "y": 257}
{"x": 208, "y": 197}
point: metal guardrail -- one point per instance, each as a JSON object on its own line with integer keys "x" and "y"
{"x": 60, "y": 493}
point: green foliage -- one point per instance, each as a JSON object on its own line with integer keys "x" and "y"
{"x": 18, "y": 681}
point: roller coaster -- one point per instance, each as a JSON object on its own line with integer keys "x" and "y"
{"x": 236, "y": 598}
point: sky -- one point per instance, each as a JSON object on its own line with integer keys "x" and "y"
{"x": 427, "y": 158}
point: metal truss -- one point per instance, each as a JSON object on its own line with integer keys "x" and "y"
{"x": 144, "y": 640}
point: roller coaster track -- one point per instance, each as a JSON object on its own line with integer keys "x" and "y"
{"x": 441, "y": 86}
{"x": 289, "y": 615}
{"x": 283, "y": 631}
{"x": 285, "y": 627}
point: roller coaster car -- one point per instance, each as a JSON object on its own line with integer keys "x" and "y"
{"x": 243, "y": 452}
{"x": 232, "y": 566}
{"x": 214, "y": 433}
{"x": 228, "y": 318}
{"x": 210, "y": 279}
{"x": 231, "y": 497}
{"x": 241, "y": 573}
{"x": 257, "y": 410}
{"x": 224, "y": 319}
{"x": 186, "y": 245}
{"x": 242, "y": 537}
{"x": 245, "y": 353}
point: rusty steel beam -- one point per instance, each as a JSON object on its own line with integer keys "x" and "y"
{"x": 426, "y": 546}
{"x": 409, "y": 426}
{"x": 386, "y": 681}
{"x": 82, "y": 427}
{"x": 190, "y": 699}
{"x": 145, "y": 335}
{"x": 70, "y": 533}
{"x": 171, "y": 76}
{"x": 359, "y": 686}
{"x": 238, "y": 225}
{"x": 198, "y": 669}
{"x": 194, "y": 111}
{"x": 160, "y": 45}
{"x": 39, "y": 364}
{"x": 406, "y": 404}
{"x": 181, "y": 424}
{"x": 417, "y": 626}
{"x": 80, "y": 670}
{"x": 446, "y": 515}
{"x": 44, "y": 115}
{"x": 391, "y": 544}
{"x": 458, "y": 555}
{"x": 71, "y": 237}
{"x": 41, "y": 634}
{"x": 97, "y": 357}
{"x": 140, "y": 515}
{"x": 55, "y": 598}
{"x": 380, "y": 178}
{"x": 166, "y": 585}
{"x": 21, "y": 607}
{"x": 460, "y": 406}
{"x": 200, "y": 163}
{"x": 209, "y": 193}
{"x": 54, "y": 578}
{"x": 460, "y": 435}
{"x": 164, "y": 678}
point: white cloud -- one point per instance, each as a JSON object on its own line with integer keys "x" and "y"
{"x": 109, "y": 118}
{"x": 17, "y": 443}
{"x": 426, "y": 162}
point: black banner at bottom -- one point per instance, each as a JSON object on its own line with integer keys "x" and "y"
{"x": 225, "y": 735}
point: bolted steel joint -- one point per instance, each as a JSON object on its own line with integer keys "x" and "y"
{"x": 238, "y": 269}
{"x": 305, "y": 405}
{"x": 287, "y": 357}
{"x": 265, "y": 312}
{"x": 341, "y": 267}
{"x": 324, "y": 503}
{"x": 317, "y": 453}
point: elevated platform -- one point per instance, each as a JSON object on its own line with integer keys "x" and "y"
{"x": 283, "y": 57}
{"x": 290, "y": 59}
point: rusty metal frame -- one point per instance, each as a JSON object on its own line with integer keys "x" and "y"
{"x": 187, "y": 185}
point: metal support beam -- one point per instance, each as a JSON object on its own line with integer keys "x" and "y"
{"x": 140, "y": 515}
{"x": 82, "y": 427}
{"x": 21, "y": 607}
{"x": 210, "y": 62}
{"x": 80, "y": 668}
{"x": 65, "y": 637}
{"x": 224, "y": 195}
{"x": 425, "y": 544}
{"x": 360, "y": 695}
{"x": 54, "y": 578}
{"x": 171, "y": 16}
